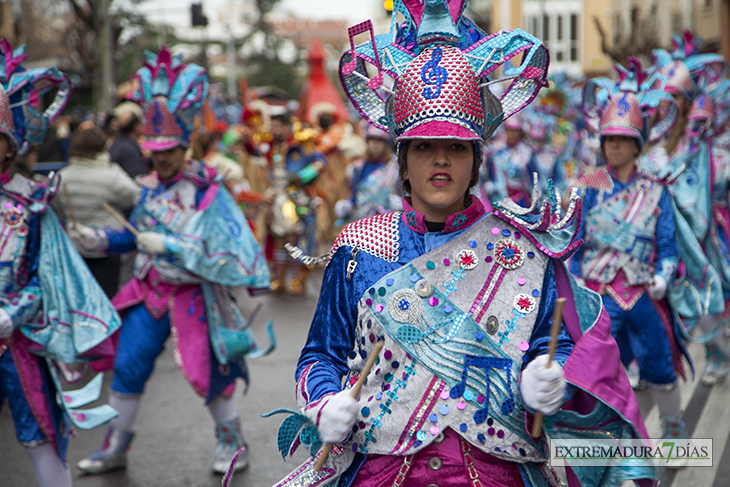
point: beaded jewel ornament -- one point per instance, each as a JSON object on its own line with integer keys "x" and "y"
{"x": 25, "y": 88}
{"x": 171, "y": 94}
{"x": 625, "y": 107}
{"x": 439, "y": 62}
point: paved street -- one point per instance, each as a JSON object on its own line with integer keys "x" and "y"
{"x": 175, "y": 437}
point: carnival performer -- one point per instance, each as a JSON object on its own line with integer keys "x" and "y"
{"x": 463, "y": 300}
{"x": 629, "y": 219}
{"x": 374, "y": 180}
{"x": 293, "y": 166}
{"x": 687, "y": 150}
{"x": 193, "y": 244}
{"x": 509, "y": 166}
{"x": 52, "y": 309}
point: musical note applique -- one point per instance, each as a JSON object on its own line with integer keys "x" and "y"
{"x": 350, "y": 66}
{"x": 485, "y": 363}
{"x": 433, "y": 74}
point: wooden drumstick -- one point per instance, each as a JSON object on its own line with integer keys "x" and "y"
{"x": 355, "y": 393}
{"x": 120, "y": 218}
{"x": 554, "y": 331}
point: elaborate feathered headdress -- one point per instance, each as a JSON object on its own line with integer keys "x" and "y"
{"x": 25, "y": 88}
{"x": 625, "y": 107}
{"x": 440, "y": 62}
{"x": 685, "y": 68}
{"x": 171, "y": 93}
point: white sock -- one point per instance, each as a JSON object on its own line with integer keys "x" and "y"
{"x": 668, "y": 402}
{"x": 50, "y": 471}
{"x": 223, "y": 408}
{"x": 709, "y": 324}
{"x": 127, "y": 408}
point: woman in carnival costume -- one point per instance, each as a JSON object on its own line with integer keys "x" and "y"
{"x": 194, "y": 243}
{"x": 463, "y": 300}
{"x": 53, "y": 311}
{"x": 687, "y": 152}
{"x": 630, "y": 254}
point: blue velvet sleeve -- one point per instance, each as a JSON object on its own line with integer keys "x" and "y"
{"x": 666, "y": 231}
{"x": 332, "y": 333}
{"x": 120, "y": 241}
{"x": 541, "y": 332}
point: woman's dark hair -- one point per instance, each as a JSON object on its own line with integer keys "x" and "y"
{"x": 202, "y": 143}
{"x": 129, "y": 124}
{"x": 88, "y": 142}
{"x": 402, "y": 150}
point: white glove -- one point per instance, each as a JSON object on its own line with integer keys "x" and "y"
{"x": 542, "y": 389}
{"x": 6, "y": 324}
{"x": 151, "y": 242}
{"x": 337, "y": 417}
{"x": 84, "y": 237}
{"x": 343, "y": 208}
{"x": 658, "y": 287}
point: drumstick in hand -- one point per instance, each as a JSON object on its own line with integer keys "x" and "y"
{"x": 355, "y": 393}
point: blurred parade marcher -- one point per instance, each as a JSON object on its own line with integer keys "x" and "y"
{"x": 686, "y": 151}
{"x": 125, "y": 149}
{"x": 540, "y": 134}
{"x": 439, "y": 406}
{"x": 630, "y": 255}
{"x": 509, "y": 167}
{"x": 333, "y": 181}
{"x": 90, "y": 180}
{"x": 193, "y": 245}
{"x": 374, "y": 180}
{"x": 205, "y": 148}
{"x": 294, "y": 164}
{"x": 49, "y": 297}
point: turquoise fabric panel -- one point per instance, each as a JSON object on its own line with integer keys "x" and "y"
{"x": 77, "y": 314}
{"x": 217, "y": 243}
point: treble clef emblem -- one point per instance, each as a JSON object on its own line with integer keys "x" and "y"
{"x": 157, "y": 118}
{"x": 623, "y": 105}
{"x": 433, "y": 74}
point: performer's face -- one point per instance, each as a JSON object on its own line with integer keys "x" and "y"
{"x": 377, "y": 149}
{"x": 279, "y": 130}
{"x": 439, "y": 172}
{"x": 620, "y": 151}
{"x": 168, "y": 163}
{"x": 513, "y": 136}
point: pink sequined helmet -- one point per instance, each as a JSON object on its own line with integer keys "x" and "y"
{"x": 701, "y": 108}
{"x": 623, "y": 117}
{"x": 7, "y": 126}
{"x": 625, "y": 107}
{"x": 160, "y": 131}
{"x": 439, "y": 62}
{"x": 438, "y": 97}
{"x": 679, "y": 79}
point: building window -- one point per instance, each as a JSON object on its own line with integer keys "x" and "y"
{"x": 560, "y": 28}
{"x": 574, "y": 37}
{"x": 545, "y": 27}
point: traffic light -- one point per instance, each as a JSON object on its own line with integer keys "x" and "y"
{"x": 199, "y": 20}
